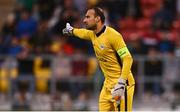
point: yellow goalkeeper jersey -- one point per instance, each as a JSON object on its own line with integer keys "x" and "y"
{"x": 106, "y": 45}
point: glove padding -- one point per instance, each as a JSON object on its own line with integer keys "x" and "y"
{"x": 118, "y": 91}
{"x": 68, "y": 30}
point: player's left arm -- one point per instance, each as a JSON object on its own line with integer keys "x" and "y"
{"x": 127, "y": 61}
{"x": 120, "y": 47}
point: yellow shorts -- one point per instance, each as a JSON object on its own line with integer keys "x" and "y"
{"x": 106, "y": 103}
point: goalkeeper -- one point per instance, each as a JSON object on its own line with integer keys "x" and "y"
{"x": 114, "y": 60}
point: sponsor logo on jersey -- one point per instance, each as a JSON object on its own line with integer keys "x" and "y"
{"x": 102, "y": 46}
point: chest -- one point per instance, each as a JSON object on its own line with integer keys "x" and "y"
{"x": 101, "y": 46}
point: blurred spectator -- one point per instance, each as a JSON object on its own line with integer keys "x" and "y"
{"x": 171, "y": 72}
{"x": 163, "y": 18}
{"x": 92, "y": 67}
{"x": 8, "y": 32}
{"x": 57, "y": 45}
{"x": 178, "y": 8}
{"x": 62, "y": 66}
{"x": 41, "y": 40}
{"x": 4, "y": 82}
{"x": 26, "y": 26}
{"x": 25, "y": 72}
{"x": 81, "y": 104}
{"x": 60, "y": 44}
{"x": 8, "y": 69}
{"x": 56, "y": 101}
{"x": 126, "y": 27}
{"x": 15, "y": 47}
{"x": 2, "y": 46}
{"x": 135, "y": 45}
{"x": 80, "y": 45}
{"x": 171, "y": 75}
{"x": 27, "y": 4}
{"x": 23, "y": 84}
{"x": 143, "y": 25}
{"x": 79, "y": 64}
{"x": 149, "y": 40}
{"x": 46, "y": 8}
{"x": 55, "y": 17}
{"x": 41, "y": 102}
{"x": 21, "y": 101}
{"x": 9, "y": 27}
{"x": 177, "y": 46}
{"x": 66, "y": 102}
{"x": 79, "y": 70}
{"x": 117, "y": 9}
{"x": 171, "y": 6}
{"x": 166, "y": 45}
{"x": 35, "y": 12}
{"x": 153, "y": 69}
{"x": 25, "y": 65}
{"x": 69, "y": 14}
{"x": 81, "y": 5}
{"x": 42, "y": 72}
{"x": 68, "y": 49}
{"x": 135, "y": 8}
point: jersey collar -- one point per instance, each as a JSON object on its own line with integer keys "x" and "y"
{"x": 102, "y": 31}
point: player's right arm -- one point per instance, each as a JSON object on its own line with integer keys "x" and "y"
{"x": 81, "y": 33}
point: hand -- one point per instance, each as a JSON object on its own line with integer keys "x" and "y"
{"x": 68, "y": 30}
{"x": 118, "y": 91}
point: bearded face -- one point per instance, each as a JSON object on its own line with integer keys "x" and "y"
{"x": 90, "y": 20}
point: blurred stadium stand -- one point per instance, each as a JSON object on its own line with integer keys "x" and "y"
{"x": 40, "y": 69}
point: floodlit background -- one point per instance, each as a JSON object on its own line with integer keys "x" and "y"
{"x": 40, "y": 69}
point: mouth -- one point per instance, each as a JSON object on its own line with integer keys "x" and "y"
{"x": 86, "y": 25}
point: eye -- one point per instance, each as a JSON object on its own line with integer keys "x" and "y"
{"x": 87, "y": 16}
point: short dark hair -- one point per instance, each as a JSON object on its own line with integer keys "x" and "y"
{"x": 99, "y": 12}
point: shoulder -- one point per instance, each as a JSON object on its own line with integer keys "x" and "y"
{"x": 112, "y": 31}
{"x": 113, "y": 34}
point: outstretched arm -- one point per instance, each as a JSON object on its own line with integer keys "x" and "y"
{"x": 81, "y": 33}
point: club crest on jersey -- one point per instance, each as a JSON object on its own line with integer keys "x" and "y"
{"x": 102, "y": 46}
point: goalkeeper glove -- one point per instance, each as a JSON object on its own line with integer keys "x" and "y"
{"x": 68, "y": 30}
{"x": 118, "y": 91}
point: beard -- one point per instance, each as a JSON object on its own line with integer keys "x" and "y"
{"x": 91, "y": 27}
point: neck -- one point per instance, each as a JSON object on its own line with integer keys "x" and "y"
{"x": 99, "y": 28}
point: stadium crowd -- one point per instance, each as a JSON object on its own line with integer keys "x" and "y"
{"x": 149, "y": 27}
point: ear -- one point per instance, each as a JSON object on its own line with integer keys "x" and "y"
{"x": 97, "y": 19}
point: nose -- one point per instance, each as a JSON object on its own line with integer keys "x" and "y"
{"x": 84, "y": 21}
